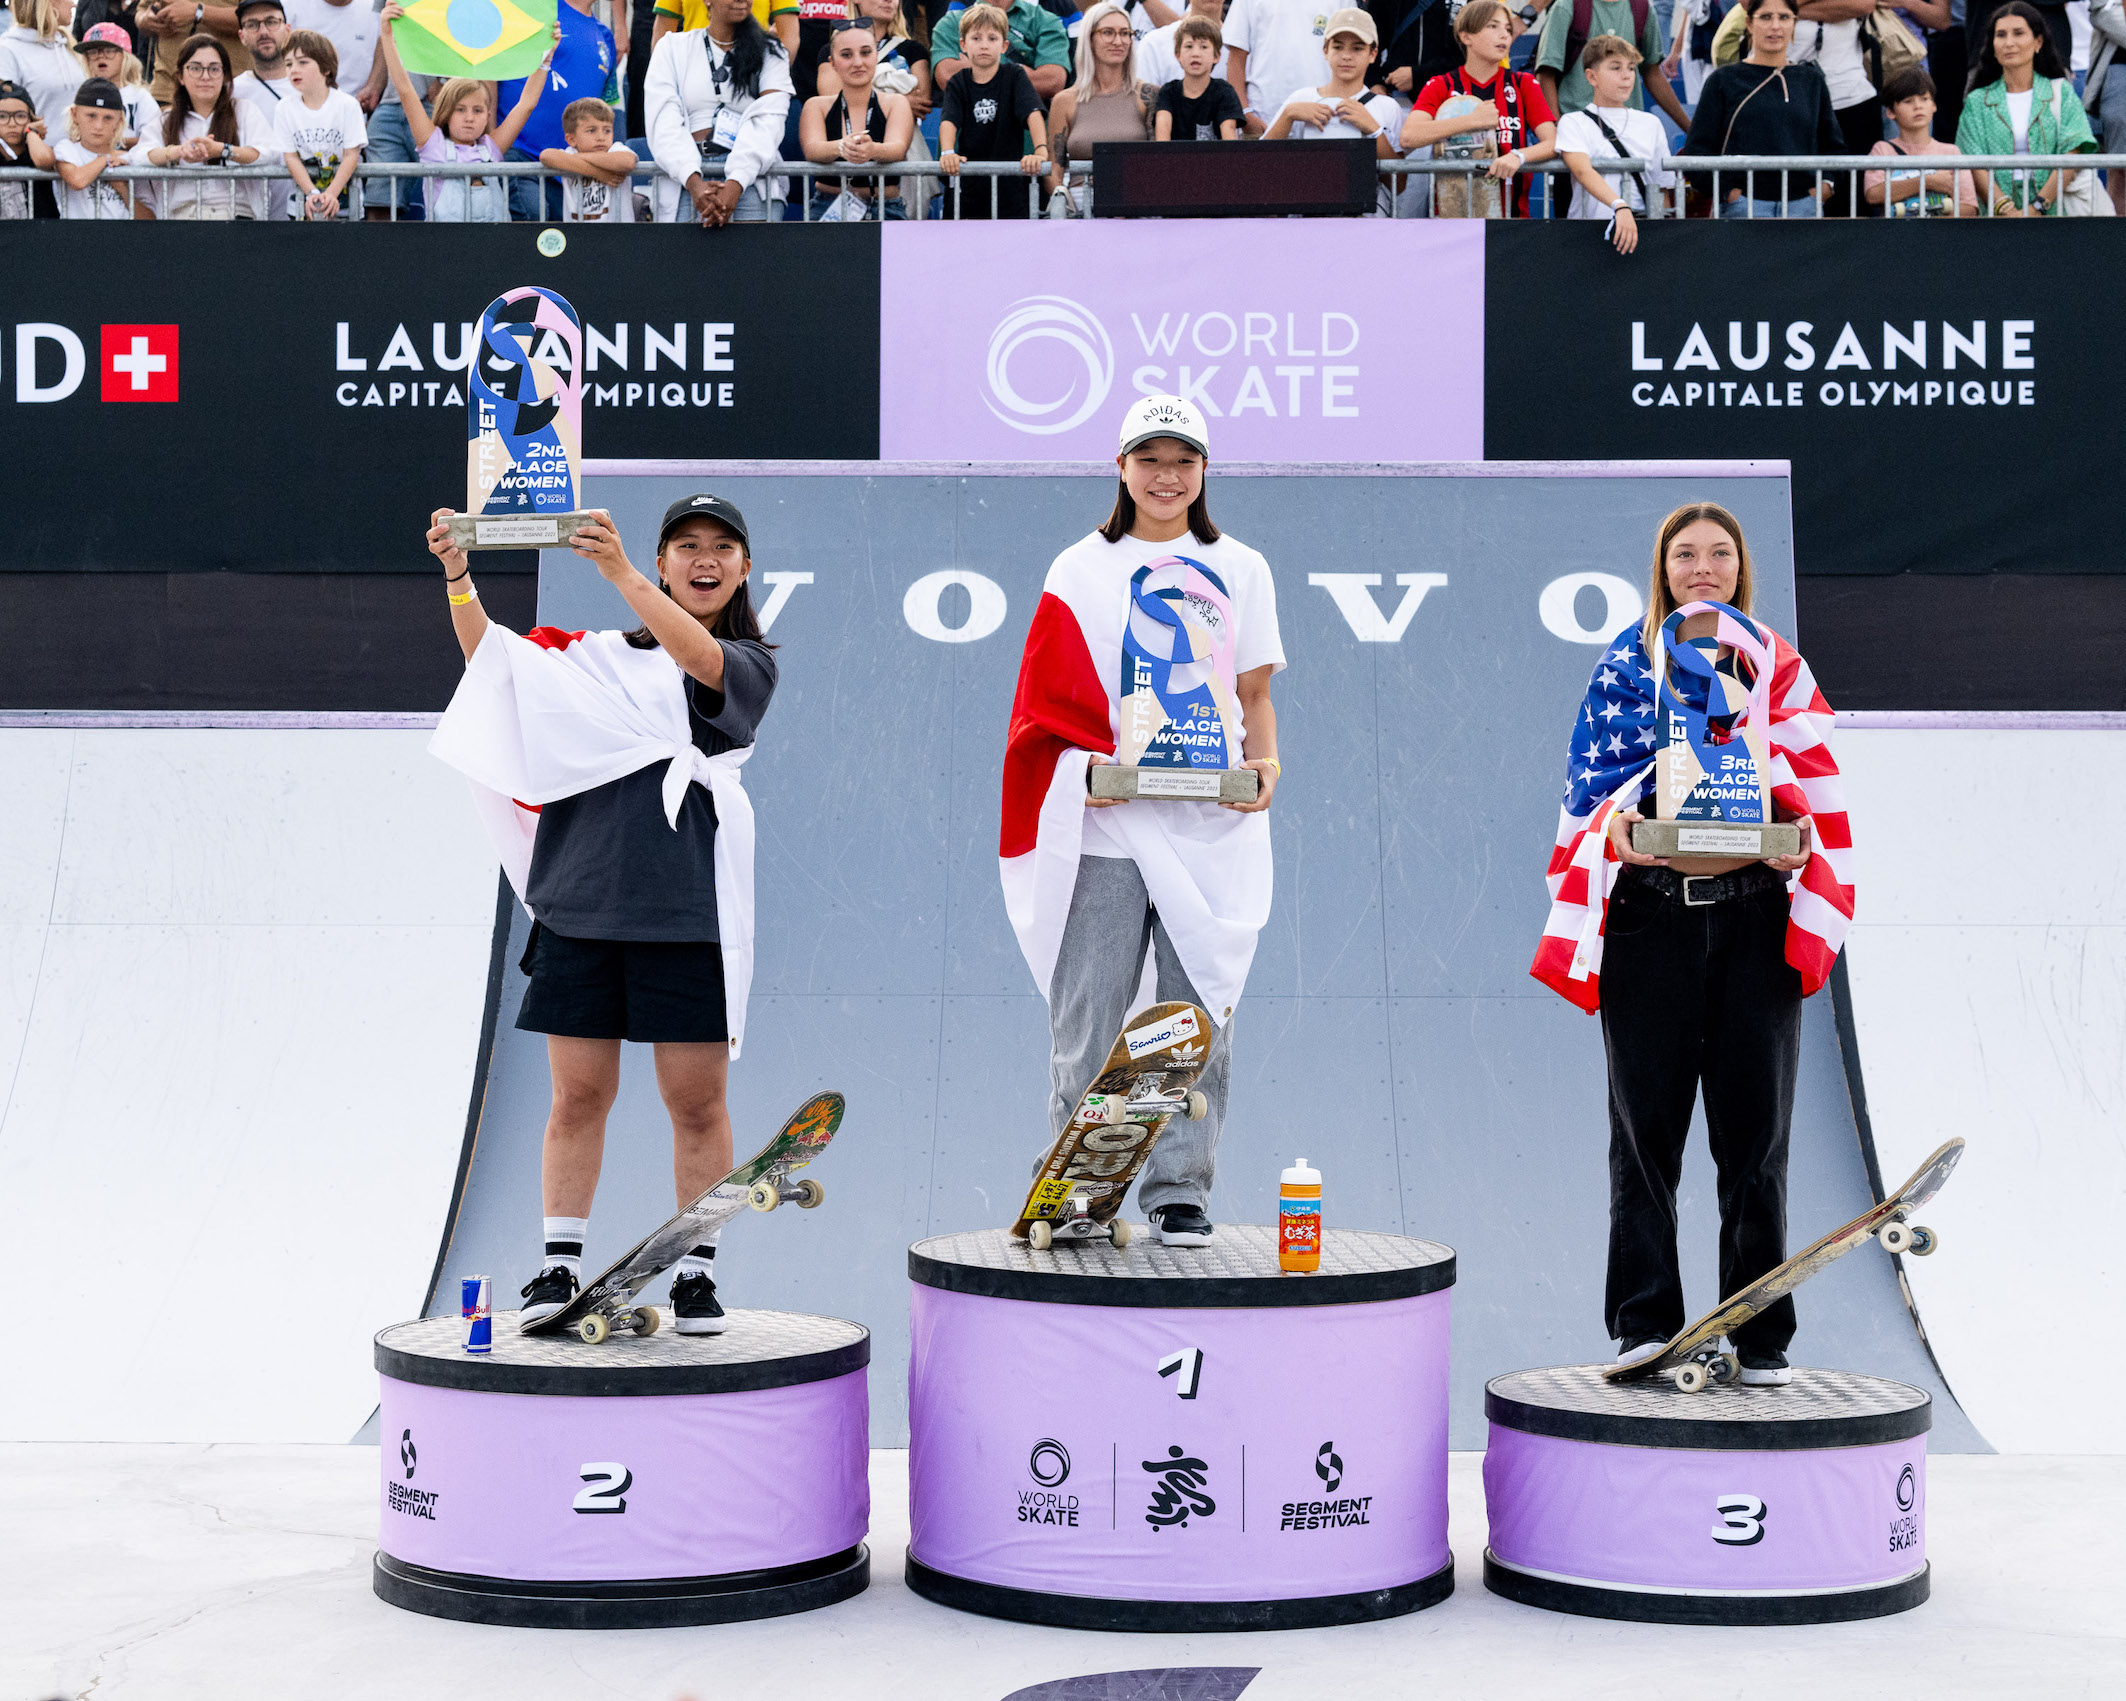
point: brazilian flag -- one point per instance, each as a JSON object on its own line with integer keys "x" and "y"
{"x": 494, "y": 39}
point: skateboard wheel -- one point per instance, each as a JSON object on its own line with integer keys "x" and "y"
{"x": 1924, "y": 1241}
{"x": 1895, "y": 1237}
{"x": 644, "y": 1320}
{"x": 1115, "y": 1111}
{"x": 1119, "y": 1232}
{"x": 1197, "y": 1107}
{"x": 593, "y": 1329}
{"x": 762, "y": 1196}
{"x": 809, "y": 1194}
{"x": 1691, "y": 1379}
{"x": 1040, "y": 1236}
{"x": 1727, "y": 1369}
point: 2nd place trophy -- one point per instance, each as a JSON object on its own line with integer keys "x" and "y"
{"x": 524, "y": 426}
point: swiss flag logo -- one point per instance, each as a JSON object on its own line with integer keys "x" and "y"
{"x": 140, "y": 363}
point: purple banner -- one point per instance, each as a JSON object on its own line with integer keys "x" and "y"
{"x": 1686, "y": 1520}
{"x": 1277, "y": 1454}
{"x": 560, "y": 1489}
{"x": 1300, "y": 339}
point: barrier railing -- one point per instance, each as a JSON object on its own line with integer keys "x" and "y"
{"x": 1739, "y": 186}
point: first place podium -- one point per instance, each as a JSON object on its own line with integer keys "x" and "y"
{"x": 1179, "y": 1439}
{"x": 677, "y": 1479}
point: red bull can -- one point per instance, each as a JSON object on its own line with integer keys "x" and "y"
{"x": 479, "y": 1322}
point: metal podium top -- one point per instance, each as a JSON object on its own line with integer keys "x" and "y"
{"x": 1819, "y": 1408}
{"x": 758, "y": 1349}
{"x": 1237, "y": 1270}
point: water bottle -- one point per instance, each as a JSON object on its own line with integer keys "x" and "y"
{"x": 1299, "y": 1220}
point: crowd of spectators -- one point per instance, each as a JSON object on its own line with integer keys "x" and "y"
{"x": 1026, "y": 90}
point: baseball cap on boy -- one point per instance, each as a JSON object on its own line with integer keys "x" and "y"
{"x": 1165, "y": 416}
{"x": 1349, "y": 20}
{"x": 704, "y": 507}
{"x": 107, "y": 35}
{"x": 102, "y": 93}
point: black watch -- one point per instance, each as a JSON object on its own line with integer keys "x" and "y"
{"x": 1527, "y": 14}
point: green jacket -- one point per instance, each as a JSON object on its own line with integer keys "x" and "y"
{"x": 1984, "y": 129}
{"x": 1037, "y": 37}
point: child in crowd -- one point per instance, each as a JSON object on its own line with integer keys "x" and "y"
{"x": 458, "y": 134}
{"x": 989, "y": 108}
{"x": 1340, "y": 106}
{"x": 1510, "y": 103}
{"x": 20, "y": 200}
{"x": 94, "y": 128}
{"x": 1611, "y": 128}
{"x": 1198, "y": 106}
{"x": 320, "y": 132}
{"x": 107, "y": 52}
{"x": 594, "y": 173}
{"x": 1911, "y": 194}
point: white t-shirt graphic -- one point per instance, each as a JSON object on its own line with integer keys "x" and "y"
{"x": 320, "y": 138}
{"x": 584, "y": 200}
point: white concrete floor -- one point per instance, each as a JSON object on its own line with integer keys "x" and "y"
{"x": 232, "y": 1572}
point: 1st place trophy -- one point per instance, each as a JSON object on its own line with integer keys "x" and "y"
{"x": 524, "y": 426}
{"x": 1710, "y": 794}
{"x": 1180, "y": 718}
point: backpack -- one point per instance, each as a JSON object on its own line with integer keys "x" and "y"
{"x": 1576, "y": 37}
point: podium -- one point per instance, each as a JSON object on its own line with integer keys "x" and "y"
{"x": 1179, "y": 1438}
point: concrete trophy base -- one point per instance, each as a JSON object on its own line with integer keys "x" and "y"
{"x": 1179, "y": 1439}
{"x": 491, "y": 1499}
{"x": 1797, "y": 1505}
{"x": 1202, "y": 785}
{"x": 517, "y": 531}
{"x": 1715, "y": 838}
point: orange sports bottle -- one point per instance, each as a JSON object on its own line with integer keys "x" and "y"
{"x": 1299, "y": 1220}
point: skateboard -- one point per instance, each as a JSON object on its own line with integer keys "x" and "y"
{"x": 1467, "y": 194}
{"x": 762, "y": 1182}
{"x": 1692, "y": 1359}
{"x": 1149, "y": 1076}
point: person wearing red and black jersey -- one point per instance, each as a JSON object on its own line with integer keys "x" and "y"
{"x": 1513, "y": 100}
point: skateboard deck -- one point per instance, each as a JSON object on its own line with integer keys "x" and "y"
{"x": 1690, "y": 1359}
{"x": 761, "y": 1181}
{"x": 1470, "y": 195}
{"x": 1150, "y": 1076}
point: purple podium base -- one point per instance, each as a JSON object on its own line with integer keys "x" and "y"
{"x": 641, "y": 1482}
{"x": 1179, "y": 1439}
{"x": 1797, "y": 1505}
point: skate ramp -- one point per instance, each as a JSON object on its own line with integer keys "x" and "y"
{"x": 1390, "y": 1031}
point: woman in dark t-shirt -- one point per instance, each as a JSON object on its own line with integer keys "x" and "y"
{"x": 607, "y": 766}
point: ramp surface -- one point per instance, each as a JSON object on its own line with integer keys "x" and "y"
{"x": 1390, "y": 1031}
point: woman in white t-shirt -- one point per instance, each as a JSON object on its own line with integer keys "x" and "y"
{"x": 458, "y": 134}
{"x": 37, "y": 53}
{"x": 319, "y": 131}
{"x": 1340, "y": 107}
{"x": 1611, "y": 129}
{"x": 208, "y": 127}
{"x": 1152, "y": 646}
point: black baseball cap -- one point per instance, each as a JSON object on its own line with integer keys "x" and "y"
{"x": 243, "y": 6}
{"x": 102, "y": 93}
{"x": 15, "y": 91}
{"x": 704, "y": 507}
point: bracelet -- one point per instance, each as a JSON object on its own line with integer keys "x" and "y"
{"x": 1273, "y": 762}
{"x": 458, "y": 599}
{"x": 455, "y": 577}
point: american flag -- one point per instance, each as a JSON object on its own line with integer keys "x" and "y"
{"x": 1607, "y": 769}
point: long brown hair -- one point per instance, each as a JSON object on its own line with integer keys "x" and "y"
{"x": 1659, "y": 603}
{"x": 221, "y": 122}
{"x": 1119, "y": 523}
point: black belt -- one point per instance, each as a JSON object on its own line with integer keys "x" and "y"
{"x": 1699, "y": 890}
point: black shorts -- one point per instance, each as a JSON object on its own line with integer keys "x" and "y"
{"x": 650, "y": 991}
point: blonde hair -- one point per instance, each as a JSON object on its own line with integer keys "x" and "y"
{"x": 43, "y": 17}
{"x": 1088, "y": 62}
{"x": 984, "y": 16}
{"x": 899, "y": 24}
{"x": 1660, "y": 603}
{"x": 454, "y": 93}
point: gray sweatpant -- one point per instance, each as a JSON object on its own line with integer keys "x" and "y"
{"x": 1094, "y": 991}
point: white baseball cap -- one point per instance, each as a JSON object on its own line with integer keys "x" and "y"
{"x": 1165, "y": 416}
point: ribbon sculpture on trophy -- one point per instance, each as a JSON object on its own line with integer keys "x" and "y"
{"x": 1697, "y": 777}
{"x": 1178, "y": 703}
{"x": 524, "y": 425}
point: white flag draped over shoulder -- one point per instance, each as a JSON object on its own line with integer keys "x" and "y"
{"x": 554, "y": 714}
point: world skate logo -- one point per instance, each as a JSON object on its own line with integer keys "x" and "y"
{"x": 1177, "y": 1492}
{"x": 1904, "y": 1528}
{"x": 407, "y": 1454}
{"x": 1064, "y": 344}
{"x": 1049, "y": 1465}
{"x": 1155, "y": 1036}
{"x": 1907, "y": 1489}
{"x": 1741, "y": 1520}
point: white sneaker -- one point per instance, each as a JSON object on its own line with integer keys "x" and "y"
{"x": 1765, "y": 1370}
{"x": 1641, "y": 1351}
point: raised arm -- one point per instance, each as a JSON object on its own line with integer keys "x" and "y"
{"x": 505, "y": 133}
{"x": 418, "y": 124}
{"x": 467, "y": 619}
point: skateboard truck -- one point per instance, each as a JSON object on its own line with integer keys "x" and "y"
{"x": 1077, "y": 1223}
{"x": 766, "y": 1195}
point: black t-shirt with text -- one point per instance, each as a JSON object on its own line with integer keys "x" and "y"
{"x": 1198, "y": 120}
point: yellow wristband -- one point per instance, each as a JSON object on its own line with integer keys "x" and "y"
{"x": 458, "y": 600}
{"x": 1273, "y": 762}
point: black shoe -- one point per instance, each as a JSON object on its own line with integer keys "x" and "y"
{"x": 694, "y": 1306}
{"x": 546, "y": 1293}
{"x": 1765, "y": 1370}
{"x": 1181, "y": 1225}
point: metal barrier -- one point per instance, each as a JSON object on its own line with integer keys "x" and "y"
{"x": 1414, "y": 184}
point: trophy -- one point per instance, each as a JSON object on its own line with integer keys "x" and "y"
{"x": 1179, "y": 736}
{"x": 1711, "y": 799}
{"x": 524, "y": 426}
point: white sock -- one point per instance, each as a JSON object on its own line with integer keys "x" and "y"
{"x": 564, "y": 1244}
{"x": 701, "y": 1261}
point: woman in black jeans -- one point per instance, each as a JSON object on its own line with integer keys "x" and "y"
{"x": 1763, "y": 105}
{"x": 1703, "y": 961}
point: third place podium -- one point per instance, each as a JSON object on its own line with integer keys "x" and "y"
{"x": 1179, "y": 1438}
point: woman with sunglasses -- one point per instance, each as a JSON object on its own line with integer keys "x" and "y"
{"x": 859, "y": 125}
